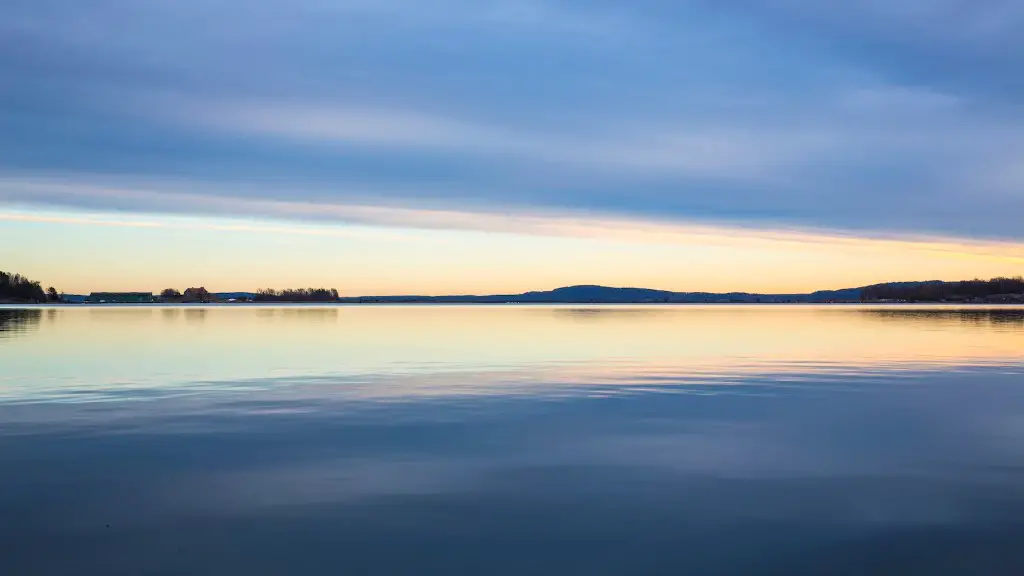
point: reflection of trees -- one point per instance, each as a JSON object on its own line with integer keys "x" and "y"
{"x": 606, "y": 313}
{"x": 298, "y": 312}
{"x": 195, "y": 315}
{"x": 995, "y": 318}
{"x": 312, "y": 314}
{"x": 17, "y": 321}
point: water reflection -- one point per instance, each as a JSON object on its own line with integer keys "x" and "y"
{"x": 882, "y": 479}
{"x": 1005, "y": 317}
{"x": 132, "y": 348}
{"x": 116, "y": 313}
{"x": 309, "y": 314}
{"x": 507, "y": 440}
{"x": 607, "y": 313}
{"x": 15, "y": 321}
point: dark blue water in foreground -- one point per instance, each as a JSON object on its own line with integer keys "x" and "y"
{"x": 518, "y": 440}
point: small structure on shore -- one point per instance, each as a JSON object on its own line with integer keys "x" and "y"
{"x": 120, "y": 298}
{"x": 200, "y": 295}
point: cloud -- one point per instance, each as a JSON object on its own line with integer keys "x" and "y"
{"x": 864, "y": 118}
{"x": 726, "y": 152}
{"x": 263, "y": 227}
{"x": 164, "y": 199}
{"x": 958, "y": 45}
{"x": 982, "y": 25}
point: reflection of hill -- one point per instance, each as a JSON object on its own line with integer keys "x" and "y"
{"x": 995, "y": 317}
{"x": 17, "y": 321}
{"x": 1005, "y": 318}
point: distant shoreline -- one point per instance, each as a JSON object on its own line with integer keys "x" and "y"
{"x": 16, "y": 305}
{"x": 996, "y": 291}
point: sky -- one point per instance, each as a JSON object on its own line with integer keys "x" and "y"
{"x": 489, "y": 146}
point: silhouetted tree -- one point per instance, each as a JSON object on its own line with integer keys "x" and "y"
{"x": 17, "y": 287}
{"x": 52, "y": 295}
{"x": 170, "y": 293}
{"x": 297, "y": 295}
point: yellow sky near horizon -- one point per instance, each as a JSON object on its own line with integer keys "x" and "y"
{"x": 81, "y": 252}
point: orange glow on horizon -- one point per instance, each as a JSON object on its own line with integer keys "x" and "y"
{"x": 448, "y": 256}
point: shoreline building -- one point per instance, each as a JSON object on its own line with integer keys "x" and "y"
{"x": 120, "y": 298}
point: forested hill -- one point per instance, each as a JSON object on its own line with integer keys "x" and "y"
{"x": 996, "y": 290}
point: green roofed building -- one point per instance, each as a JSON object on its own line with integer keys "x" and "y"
{"x": 120, "y": 298}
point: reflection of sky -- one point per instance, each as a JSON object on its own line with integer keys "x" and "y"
{"x": 399, "y": 350}
{"x": 887, "y": 477}
{"x": 797, "y": 440}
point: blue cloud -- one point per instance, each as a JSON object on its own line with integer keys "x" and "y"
{"x": 864, "y": 117}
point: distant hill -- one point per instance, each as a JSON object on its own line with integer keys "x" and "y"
{"x": 591, "y": 294}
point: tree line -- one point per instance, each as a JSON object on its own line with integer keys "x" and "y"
{"x": 297, "y": 295}
{"x": 18, "y": 287}
{"x": 264, "y": 295}
{"x": 945, "y": 291}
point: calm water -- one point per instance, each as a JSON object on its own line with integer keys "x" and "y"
{"x": 511, "y": 440}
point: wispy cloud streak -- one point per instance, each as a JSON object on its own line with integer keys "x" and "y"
{"x": 573, "y": 225}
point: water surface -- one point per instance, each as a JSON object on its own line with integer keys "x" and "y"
{"x": 511, "y": 440}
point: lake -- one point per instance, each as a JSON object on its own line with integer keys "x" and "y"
{"x": 722, "y": 439}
